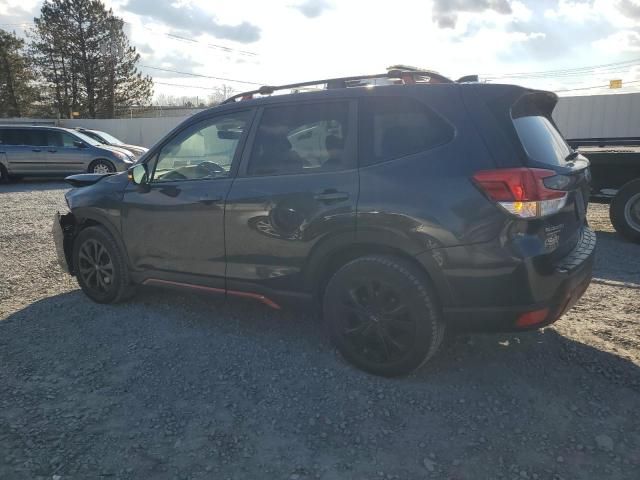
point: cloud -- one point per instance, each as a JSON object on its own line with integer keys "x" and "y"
{"x": 629, "y": 8}
{"x": 173, "y": 61}
{"x": 313, "y": 8}
{"x": 445, "y": 12}
{"x": 144, "y": 48}
{"x": 622, "y": 41}
{"x": 192, "y": 19}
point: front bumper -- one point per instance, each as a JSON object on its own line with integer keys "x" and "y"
{"x": 559, "y": 288}
{"x": 60, "y": 223}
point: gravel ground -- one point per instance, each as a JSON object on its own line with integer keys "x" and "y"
{"x": 177, "y": 386}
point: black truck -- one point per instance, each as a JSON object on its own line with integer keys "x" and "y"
{"x": 615, "y": 171}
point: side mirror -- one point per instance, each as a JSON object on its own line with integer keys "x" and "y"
{"x": 79, "y": 144}
{"x": 139, "y": 174}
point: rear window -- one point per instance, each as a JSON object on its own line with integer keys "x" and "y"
{"x": 393, "y": 127}
{"x": 13, "y": 136}
{"x": 541, "y": 140}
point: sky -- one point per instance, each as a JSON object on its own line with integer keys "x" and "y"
{"x": 576, "y": 44}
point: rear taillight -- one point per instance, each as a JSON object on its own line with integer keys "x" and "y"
{"x": 522, "y": 191}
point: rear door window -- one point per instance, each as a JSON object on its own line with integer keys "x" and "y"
{"x": 393, "y": 127}
{"x": 305, "y": 138}
{"x": 37, "y": 138}
{"x": 14, "y": 136}
{"x": 541, "y": 140}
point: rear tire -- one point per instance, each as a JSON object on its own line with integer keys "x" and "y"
{"x": 624, "y": 211}
{"x": 101, "y": 166}
{"x": 100, "y": 266}
{"x": 383, "y": 315}
{"x": 4, "y": 175}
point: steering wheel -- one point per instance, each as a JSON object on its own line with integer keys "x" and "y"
{"x": 212, "y": 167}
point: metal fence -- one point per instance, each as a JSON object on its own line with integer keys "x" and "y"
{"x": 596, "y": 116}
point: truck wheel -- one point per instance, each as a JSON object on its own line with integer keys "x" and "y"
{"x": 382, "y": 315}
{"x": 4, "y": 175}
{"x": 625, "y": 211}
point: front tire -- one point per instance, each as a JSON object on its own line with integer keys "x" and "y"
{"x": 101, "y": 166}
{"x": 624, "y": 211}
{"x": 383, "y": 315}
{"x": 100, "y": 266}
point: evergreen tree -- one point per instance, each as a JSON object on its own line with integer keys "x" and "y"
{"x": 17, "y": 92}
{"x": 83, "y": 53}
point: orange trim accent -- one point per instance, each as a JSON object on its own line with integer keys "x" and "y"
{"x": 255, "y": 296}
{"x": 157, "y": 281}
{"x": 235, "y": 293}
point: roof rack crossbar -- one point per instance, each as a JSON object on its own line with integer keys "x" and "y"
{"x": 399, "y": 74}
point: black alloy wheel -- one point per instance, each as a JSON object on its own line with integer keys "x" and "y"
{"x": 100, "y": 266}
{"x": 377, "y": 323}
{"x": 95, "y": 266}
{"x": 383, "y": 315}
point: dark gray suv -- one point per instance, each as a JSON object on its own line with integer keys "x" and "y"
{"x": 37, "y": 150}
{"x": 397, "y": 211}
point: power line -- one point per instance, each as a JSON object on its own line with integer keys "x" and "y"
{"x": 595, "y": 86}
{"x": 583, "y": 69}
{"x": 181, "y": 72}
{"x": 185, "y": 86}
{"x": 206, "y": 44}
{"x": 198, "y": 75}
{"x": 172, "y": 36}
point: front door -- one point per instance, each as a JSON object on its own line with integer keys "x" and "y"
{"x": 173, "y": 226}
{"x": 296, "y": 187}
{"x": 65, "y": 156}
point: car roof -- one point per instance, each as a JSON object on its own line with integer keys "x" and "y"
{"x": 329, "y": 94}
{"x": 38, "y": 127}
{"x": 360, "y": 92}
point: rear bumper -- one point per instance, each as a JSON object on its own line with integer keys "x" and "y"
{"x": 556, "y": 290}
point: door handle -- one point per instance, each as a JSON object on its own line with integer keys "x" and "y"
{"x": 331, "y": 196}
{"x": 209, "y": 200}
{"x": 36, "y": 150}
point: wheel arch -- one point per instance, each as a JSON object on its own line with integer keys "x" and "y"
{"x": 326, "y": 261}
{"x": 101, "y": 159}
{"x": 85, "y": 219}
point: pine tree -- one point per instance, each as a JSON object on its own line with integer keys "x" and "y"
{"x": 83, "y": 53}
{"x": 17, "y": 92}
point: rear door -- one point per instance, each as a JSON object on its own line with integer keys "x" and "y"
{"x": 297, "y": 185}
{"x": 26, "y": 151}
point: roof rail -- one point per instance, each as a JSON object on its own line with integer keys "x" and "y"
{"x": 407, "y": 76}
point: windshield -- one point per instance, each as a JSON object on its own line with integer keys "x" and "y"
{"x": 109, "y": 138}
{"x": 86, "y": 138}
{"x": 540, "y": 139}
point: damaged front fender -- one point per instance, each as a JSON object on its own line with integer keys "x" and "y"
{"x": 63, "y": 232}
